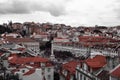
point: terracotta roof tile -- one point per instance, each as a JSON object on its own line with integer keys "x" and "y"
{"x": 116, "y": 72}
{"x": 93, "y": 39}
{"x": 19, "y": 40}
{"x": 96, "y": 62}
{"x": 70, "y": 66}
{"x": 17, "y": 60}
{"x": 29, "y": 72}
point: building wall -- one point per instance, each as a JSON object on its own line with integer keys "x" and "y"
{"x": 112, "y": 62}
{"x": 113, "y": 78}
{"x": 61, "y": 40}
{"x": 32, "y": 45}
{"x": 38, "y": 75}
{"x": 62, "y": 77}
{"x": 35, "y": 76}
{"x": 49, "y": 73}
{"x": 82, "y": 74}
{"x": 5, "y": 63}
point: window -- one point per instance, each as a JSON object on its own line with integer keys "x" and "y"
{"x": 84, "y": 78}
{"x": 81, "y": 76}
{"x": 49, "y": 69}
{"x": 77, "y": 75}
{"x": 23, "y": 71}
{"x": 49, "y": 77}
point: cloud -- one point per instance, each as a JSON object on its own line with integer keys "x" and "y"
{"x": 117, "y": 8}
{"x": 13, "y": 7}
{"x": 74, "y": 12}
{"x": 55, "y": 8}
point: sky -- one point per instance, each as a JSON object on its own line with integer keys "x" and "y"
{"x": 70, "y": 12}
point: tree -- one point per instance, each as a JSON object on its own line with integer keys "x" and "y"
{"x": 48, "y": 45}
{"x": 4, "y": 29}
{"x": 42, "y": 47}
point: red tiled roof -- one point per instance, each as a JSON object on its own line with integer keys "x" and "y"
{"x": 116, "y": 72}
{"x": 114, "y": 40}
{"x": 14, "y": 70}
{"x": 93, "y": 39}
{"x": 20, "y": 40}
{"x": 29, "y": 72}
{"x": 99, "y": 39}
{"x": 96, "y": 62}
{"x": 16, "y": 60}
{"x": 70, "y": 66}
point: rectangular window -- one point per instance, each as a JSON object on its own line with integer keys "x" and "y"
{"x": 49, "y": 77}
{"x": 49, "y": 69}
{"x": 84, "y": 78}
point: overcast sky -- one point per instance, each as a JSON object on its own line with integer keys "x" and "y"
{"x": 72, "y": 12}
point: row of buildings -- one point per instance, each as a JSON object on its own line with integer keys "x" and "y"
{"x": 20, "y": 53}
{"x": 17, "y": 60}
